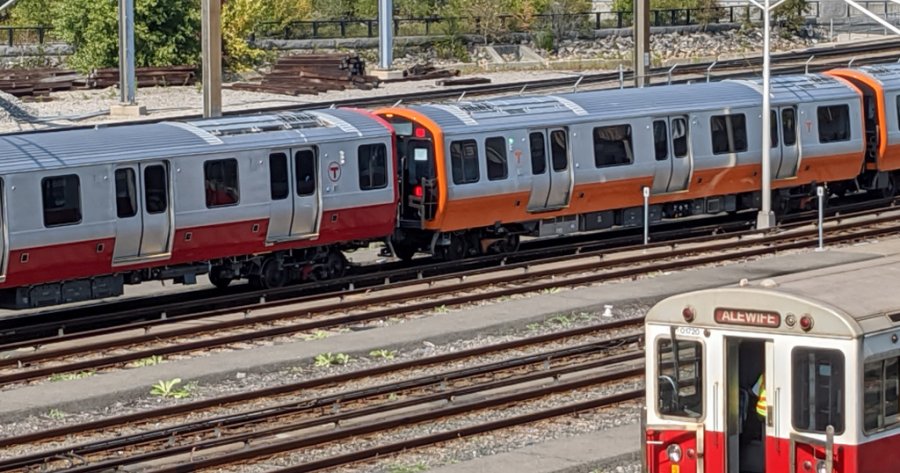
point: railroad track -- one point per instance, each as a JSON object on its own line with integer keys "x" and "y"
{"x": 553, "y": 364}
{"x": 355, "y": 309}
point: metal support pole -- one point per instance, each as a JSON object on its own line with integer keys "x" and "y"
{"x": 709, "y": 70}
{"x": 806, "y": 69}
{"x": 621, "y": 77}
{"x": 820, "y": 192}
{"x": 211, "y": 56}
{"x": 641, "y": 42}
{"x": 646, "y": 191}
{"x": 126, "y": 52}
{"x": 766, "y": 218}
{"x": 385, "y": 34}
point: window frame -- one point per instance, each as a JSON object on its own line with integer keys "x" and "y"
{"x": 282, "y": 155}
{"x": 224, "y": 162}
{"x": 665, "y": 143}
{"x": 543, "y": 150}
{"x": 698, "y": 385}
{"x": 784, "y": 135}
{"x": 796, "y": 388}
{"x": 630, "y": 147}
{"x": 77, "y": 208}
{"x": 370, "y": 174}
{"x": 465, "y": 178}
{"x": 504, "y": 154}
{"x": 130, "y": 177}
{"x": 882, "y": 401}
{"x": 730, "y": 133}
{"x": 847, "y": 128}
{"x": 301, "y": 191}
{"x": 555, "y": 164}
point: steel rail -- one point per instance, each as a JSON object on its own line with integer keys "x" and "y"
{"x": 801, "y": 239}
{"x": 196, "y": 406}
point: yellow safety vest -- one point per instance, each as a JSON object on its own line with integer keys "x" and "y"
{"x": 761, "y": 401}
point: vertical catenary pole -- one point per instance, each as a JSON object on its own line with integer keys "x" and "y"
{"x": 820, "y": 192}
{"x": 385, "y": 34}
{"x": 646, "y": 192}
{"x": 126, "y": 52}
{"x": 211, "y": 34}
{"x": 766, "y": 218}
{"x": 641, "y": 42}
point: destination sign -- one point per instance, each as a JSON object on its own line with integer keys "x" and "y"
{"x": 754, "y": 318}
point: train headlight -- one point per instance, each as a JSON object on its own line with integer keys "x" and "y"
{"x": 820, "y": 466}
{"x": 674, "y": 452}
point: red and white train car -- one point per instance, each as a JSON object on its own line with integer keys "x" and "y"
{"x": 828, "y": 348}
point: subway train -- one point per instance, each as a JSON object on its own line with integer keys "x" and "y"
{"x": 279, "y": 198}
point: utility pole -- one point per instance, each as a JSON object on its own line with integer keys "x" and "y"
{"x": 211, "y": 56}
{"x": 641, "y": 33}
{"x": 126, "y": 52}
{"x": 766, "y": 217}
{"x": 385, "y": 34}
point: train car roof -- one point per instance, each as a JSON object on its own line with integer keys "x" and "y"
{"x": 604, "y": 105}
{"x": 101, "y": 145}
{"x": 844, "y": 301}
{"x": 887, "y": 74}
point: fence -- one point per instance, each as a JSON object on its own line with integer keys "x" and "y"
{"x": 22, "y": 35}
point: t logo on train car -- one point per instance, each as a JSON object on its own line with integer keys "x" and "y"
{"x": 754, "y": 318}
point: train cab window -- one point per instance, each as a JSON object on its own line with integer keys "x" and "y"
{"x": 789, "y": 126}
{"x": 156, "y": 192}
{"x": 559, "y": 150}
{"x": 372, "y": 166}
{"x": 464, "y": 161}
{"x": 62, "y": 200}
{"x": 126, "y": 193}
{"x": 613, "y": 146}
{"x": 818, "y": 386}
{"x": 221, "y": 182}
{"x": 834, "y": 123}
{"x": 661, "y": 140}
{"x": 680, "y": 137}
{"x": 881, "y": 394}
{"x": 495, "y": 155}
{"x": 305, "y": 169}
{"x": 279, "y": 182}
{"x": 729, "y": 133}
{"x": 538, "y": 153}
{"x": 679, "y": 381}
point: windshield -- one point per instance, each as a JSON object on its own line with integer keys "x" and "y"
{"x": 680, "y": 378}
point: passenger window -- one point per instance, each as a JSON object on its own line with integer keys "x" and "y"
{"x": 538, "y": 153}
{"x": 305, "y": 168}
{"x": 680, "y": 137}
{"x": 773, "y": 128}
{"x": 661, "y": 140}
{"x": 126, "y": 193}
{"x": 729, "y": 133}
{"x": 880, "y": 394}
{"x": 372, "y": 166}
{"x": 156, "y": 192}
{"x": 789, "y": 127}
{"x": 559, "y": 150}
{"x": 495, "y": 155}
{"x": 62, "y": 200}
{"x": 818, "y": 384}
{"x": 834, "y": 123}
{"x": 221, "y": 182}
{"x": 278, "y": 176}
{"x": 464, "y": 161}
{"x": 680, "y": 378}
{"x": 613, "y": 146}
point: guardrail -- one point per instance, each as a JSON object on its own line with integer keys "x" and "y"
{"x": 24, "y": 35}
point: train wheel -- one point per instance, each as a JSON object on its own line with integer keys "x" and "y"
{"x": 890, "y": 190}
{"x": 511, "y": 245}
{"x": 457, "y": 249}
{"x": 218, "y": 279}
{"x": 335, "y": 264}
{"x": 270, "y": 275}
{"x": 404, "y": 252}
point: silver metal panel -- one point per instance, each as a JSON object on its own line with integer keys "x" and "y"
{"x": 887, "y": 74}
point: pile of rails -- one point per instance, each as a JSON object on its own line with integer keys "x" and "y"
{"x": 40, "y": 82}
{"x": 312, "y": 74}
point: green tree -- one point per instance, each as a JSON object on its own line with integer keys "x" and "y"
{"x": 792, "y": 15}
{"x": 33, "y": 12}
{"x": 166, "y": 32}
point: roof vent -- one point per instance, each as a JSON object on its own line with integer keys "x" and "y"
{"x": 894, "y": 316}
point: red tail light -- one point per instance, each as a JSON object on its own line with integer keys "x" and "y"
{"x": 418, "y": 191}
{"x": 420, "y": 132}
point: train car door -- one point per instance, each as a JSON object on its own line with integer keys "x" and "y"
{"x": 552, "y": 179}
{"x": 673, "y": 160}
{"x": 789, "y": 144}
{"x": 748, "y": 421}
{"x": 143, "y": 211}
{"x": 296, "y": 205}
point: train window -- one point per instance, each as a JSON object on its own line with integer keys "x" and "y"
{"x": 305, "y": 169}
{"x": 613, "y": 146}
{"x": 62, "y": 200}
{"x": 773, "y": 128}
{"x": 221, "y": 182}
{"x": 156, "y": 192}
{"x": 279, "y": 182}
{"x": 881, "y": 394}
{"x": 818, "y": 386}
{"x": 495, "y": 154}
{"x": 661, "y": 139}
{"x": 372, "y": 166}
{"x": 559, "y": 150}
{"x": 834, "y": 123}
{"x": 126, "y": 193}
{"x": 789, "y": 126}
{"x": 680, "y": 137}
{"x": 729, "y": 133}
{"x": 464, "y": 161}
{"x": 538, "y": 153}
{"x": 680, "y": 378}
